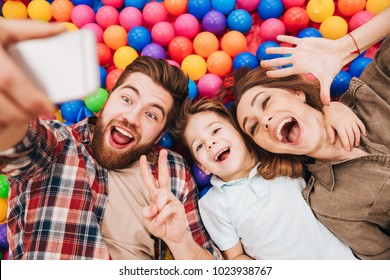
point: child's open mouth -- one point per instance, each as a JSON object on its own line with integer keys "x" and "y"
{"x": 222, "y": 155}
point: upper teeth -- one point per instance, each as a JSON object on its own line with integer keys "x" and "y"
{"x": 224, "y": 150}
{"x": 124, "y": 132}
{"x": 280, "y": 126}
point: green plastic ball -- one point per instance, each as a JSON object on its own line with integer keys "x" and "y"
{"x": 4, "y": 186}
{"x": 95, "y": 101}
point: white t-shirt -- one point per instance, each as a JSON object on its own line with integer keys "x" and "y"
{"x": 269, "y": 217}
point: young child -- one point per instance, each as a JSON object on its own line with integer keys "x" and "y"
{"x": 246, "y": 215}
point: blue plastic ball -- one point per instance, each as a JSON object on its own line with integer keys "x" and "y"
{"x": 192, "y": 90}
{"x": 139, "y": 4}
{"x": 154, "y": 50}
{"x": 83, "y": 2}
{"x": 84, "y": 113}
{"x": 309, "y": 32}
{"x": 199, "y": 8}
{"x": 214, "y": 22}
{"x": 270, "y": 9}
{"x": 240, "y": 20}
{"x": 204, "y": 190}
{"x": 70, "y": 110}
{"x": 138, "y": 37}
{"x": 166, "y": 140}
{"x": 260, "y": 53}
{"x": 103, "y": 76}
{"x": 245, "y": 59}
{"x": 358, "y": 65}
{"x": 201, "y": 178}
{"x": 340, "y": 83}
{"x": 227, "y": 105}
{"x": 223, "y": 6}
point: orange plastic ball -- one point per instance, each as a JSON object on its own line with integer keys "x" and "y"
{"x": 350, "y": 7}
{"x": 61, "y": 10}
{"x": 194, "y": 66}
{"x": 14, "y": 10}
{"x": 115, "y": 36}
{"x": 40, "y": 10}
{"x": 334, "y": 27}
{"x": 233, "y": 42}
{"x": 377, "y": 6}
{"x": 175, "y": 7}
{"x": 3, "y": 210}
{"x": 219, "y": 63}
{"x": 205, "y": 43}
{"x": 70, "y": 26}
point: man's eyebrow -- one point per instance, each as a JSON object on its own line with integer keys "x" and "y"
{"x": 252, "y": 104}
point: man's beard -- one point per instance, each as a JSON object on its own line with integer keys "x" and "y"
{"x": 111, "y": 158}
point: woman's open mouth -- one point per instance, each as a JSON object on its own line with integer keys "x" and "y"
{"x": 120, "y": 138}
{"x": 288, "y": 131}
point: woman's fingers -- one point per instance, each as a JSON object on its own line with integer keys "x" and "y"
{"x": 288, "y": 39}
{"x": 282, "y": 61}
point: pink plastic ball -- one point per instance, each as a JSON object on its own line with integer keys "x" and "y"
{"x": 154, "y": 12}
{"x": 209, "y": 85}
{"x": 359, "y": 19}
{"x": 162, "y": 33}
{"x": 248, "y": 5}
{"x": 106, "y": 16}
{"x": 271, "y": 28}
{"x": 172, "y": 62}
{"x": 292, "y": 3}
{"x": 113, "y": 3}
{"x": 95, "y": 28}
{"x": 82, "y": 14}
{"x": 186, "y": 25}
{"x": 130, "y": 17}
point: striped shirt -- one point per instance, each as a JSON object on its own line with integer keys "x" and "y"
{"x": 58, "y": 194}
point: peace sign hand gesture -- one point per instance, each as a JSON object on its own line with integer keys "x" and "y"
{"x": 165, "y": 216}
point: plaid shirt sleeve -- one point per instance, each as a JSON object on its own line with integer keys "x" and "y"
{"x": 184, "y": 188}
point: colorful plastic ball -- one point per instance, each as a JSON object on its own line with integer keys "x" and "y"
{"x": 319, "y": 10}
{"x": 3, "y": 210}
{"x": 309, "y": 32}
{"x": 205, "y": 43}
{"x": 359, "y": 19}
{"x": 112, "y": 77}
{"x": 96, "y": 29}
{"x": 138, "y": 37}
{"x": 270, "y": 9}
{"x": 204, "y": 190}
{"x": 233, "y": 42}
{"x": 40, "y": 10}
{"x": 199, "y": 8}
{"x": 162, "y": 33}
{"x": 293, "y": 3}
{"x": 81, "y": 15}
{"x": 376, "y": 6}
{"x": 340, "y": 83}
{"x": 173, "y": 63}
{"x": 358, "y": 65}
{"x": 248, "y": 5}
{"x": 103, "y": 76}
{"x": 175, "y": 7}
{"x": 3, "y": 237}
{"x": 201, "y": 178}
{"x": 123, "y": 56}
{"x": 139, "y": 4}
{"x": 186, "y": 25}
{"x": 153, "y": 50}
{"x": 214, "y": 22}
{"x": 166, "y": 140}
{"x": 14, "y": 10}
{"x": 209, "y": 85}
{"x": 334, "y": 27}
{"x": 95, "y": 101}
{"x": 350, "y": 7}
{"x": 113, "y": 3}
{"x": 83, "y": 2}
{"x": 219, "y": 63}
{"x": 194, "y": 66}
{"x": 115, "y": 36}
{"x": 61, "y": 10}
{"x": 130, "y": 17}
{"x": 262, "y": 55}
{"x": 192, "y": 90}
{"x": 223, "y": 6}
{"x": 104, "y": 54}
{"x": 295, "y": 19}
{"x": 271, "y": 28}
{"x": 84, "y": 113}
{"x": 154, "y": 12}
{"x": 70, "y": 110}
{"x": 179, "y": 48}
{"x": 245, "y": 59}
{"x": 4, "y": 186}
{"x": 240, "y": 20}
{"x": 70, "y": 26}
{"x": 107, "y": 16}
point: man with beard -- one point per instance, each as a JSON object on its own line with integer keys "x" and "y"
{"x": 77, "y": 192}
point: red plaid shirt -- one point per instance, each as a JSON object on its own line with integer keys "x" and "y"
{"x": 58, "y": 194}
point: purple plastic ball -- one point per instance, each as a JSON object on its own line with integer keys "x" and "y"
{"x": 201, "y": 178}
{"x": 214, "y": 22}
{"x": 153, "y": 50}
{"x": 3, "y": 237}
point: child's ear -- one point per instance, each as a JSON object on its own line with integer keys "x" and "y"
{"x": 201, "y": 167}
{"x": 301, "y": 95}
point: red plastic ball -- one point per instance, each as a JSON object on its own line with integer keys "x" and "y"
{"x": 179, "y": 48}
{"x": 295, "y": 19}
{"x": 359, "y": 19}
{"x": 293, "y": 3}
{"x": 104, "y": 54}
{"x": 112, "y": 77}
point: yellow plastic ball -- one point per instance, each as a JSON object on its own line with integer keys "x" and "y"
{"x": 70, "y": 26}
{"x": 319, "y": 10}
{"x": 194, "y": 66}
{"x": 3, "y": 210}
{"x": 124, "y": 56}
{"x": 334, "y": 27}
{"x": 14, "y": 10}
{"x": 376, "y": 6}
{"x": 39, "y": 9}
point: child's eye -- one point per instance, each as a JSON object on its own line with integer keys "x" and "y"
{"x": 216, "y": 130}
{"x": 253, "y": 128}
{"x": 199, "y": 147}
{"x": 151, "y": 115}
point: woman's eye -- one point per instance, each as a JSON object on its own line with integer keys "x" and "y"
{"x": 216, "y": 130}
{"x": 265, "y": 102}
{"x": 151, "y": 115}
{"x": 199, "y": 147}
{"x": 253, "y": 128}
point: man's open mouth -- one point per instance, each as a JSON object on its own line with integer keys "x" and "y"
{"x": 222, "y": 155}
{"x": 288, "y": 131}
{"x": 120, "y": 138}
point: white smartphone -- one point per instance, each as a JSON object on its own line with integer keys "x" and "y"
{"x": 64, "y": 66}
